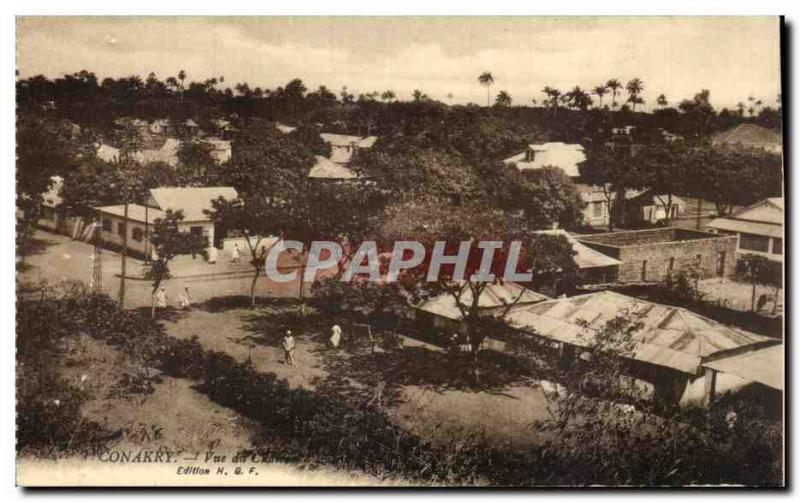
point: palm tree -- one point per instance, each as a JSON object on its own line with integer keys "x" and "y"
{"x": 600, "y": 91}
{"x": 503, "y": 99}
{"x": 182, "y": 77}
{"x": 615, "y": 86}
{"x": 661, "y": 101}
{"x": 634, "y": 87}
{"x": 487, "y": 79}
{"x": 740, "y": 107}
{"x": 418, "y": 95}
{"x": 554, "y": 96}
{"x": 388, "y": 95}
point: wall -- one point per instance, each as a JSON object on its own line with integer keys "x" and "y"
{"x": 114, "y": 239}
{"x": 649, "y": 245}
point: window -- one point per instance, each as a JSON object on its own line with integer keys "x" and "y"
{"x": 597, "y": 209}
{"x": 721, "y": 263}
{"x": 751, "y": 242}
{"x": 777, "y": 246}
{"x": 138, "y": 234}
{"x": 106, "y": 225}
{"x": 121, "y": 229}
{"x": 196, "y": 230}
{"x": 644, "y": 270}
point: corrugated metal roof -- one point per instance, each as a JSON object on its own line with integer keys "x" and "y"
{"x": 191, "y": 200}
{"x": 494, "y": 296}
{"x": 764, "y": 366}
{"x": 670, "y": 336}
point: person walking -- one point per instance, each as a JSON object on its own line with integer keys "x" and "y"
{"x": 288, "y": 346}
{"x": 336, "y": 336}
{"x": 185, "y": 300}
{"x": 161, "y": 300}
{"x": 235, "y": 254}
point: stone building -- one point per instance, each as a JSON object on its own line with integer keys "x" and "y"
{"x": 650, "y": 255}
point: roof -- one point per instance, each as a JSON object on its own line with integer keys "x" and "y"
{"x": 495, "y": 295}
{"x": 328, "y": 169}
{"x": 193, "y": 201}
{"x": 107, "y": 153}
{"x": 651, "y": 198}
{"x": 562, "y": 155}
{"x": 585, "y": 256}
{"x": 168, "y": 153}
{"x": 764, "y": 366}
{"x": 749, "y": 136}
{"x": 348, "y": 140}
{"x": 52, "y": 197}
{"x": 190, "y": 123}
{"x": 762, "y": 218}
{"x": 670, "y": 336}
{"x": 135, "y": 212}
{"x": 284, "y": 128}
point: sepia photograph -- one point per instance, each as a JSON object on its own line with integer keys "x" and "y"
{"x": 392, "y": 252}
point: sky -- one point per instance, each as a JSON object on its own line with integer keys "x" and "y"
{"x": 732, "y": 57}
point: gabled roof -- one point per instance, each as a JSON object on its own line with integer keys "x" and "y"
{"x": 494, "y": 296}
{"x": 327, "y": 169}
{"x": 585, "y": 256}
{"x": 557, "y": 154}
{"x": 764, "y": 366}
{"x": 749, "y": 136}
{"x": 191, "y": 200}
{"x": 647, "y": 196}
{"x": 670, "y": 336}
{"x": 762, "y": 218}
{"x": 135, "y": 212}
{"x": 348, "y": 140}
{"x": 285, "y": 129}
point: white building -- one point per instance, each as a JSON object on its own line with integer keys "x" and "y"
{"x": 343, "y": 146}
{"x": 759, "y": 228}
{"x": 193, "y": 201}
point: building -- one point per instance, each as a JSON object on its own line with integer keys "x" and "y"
{"x": 669, "y": 349}
{"x": 285, "y": 129}
{"x": 646, "y": 207}
{"x": 442, "y": 312}
{"x": 651, "y": 255}
{"x": 192, "y": 201}
{"x": 749, "y": 137}
{"x": 562, "y": 155}
{"x": 344, "y": 147}
{"x": 221, "y": 150}
{"x": 51, "y": 217}
{"x": 326, "y": 169}
{"x": 593, "y": 266}
{"x": 758, "y": 228}
{"x": 595, "y": 209}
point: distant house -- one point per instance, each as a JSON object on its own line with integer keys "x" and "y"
{"x": 224, "y": 129}
{"x": 595, "y": 209}
{"x": 192, "y": 201}
{"x": 758, "y": 228}
{"x": 221, "y": 149}
{"x": 344, "y": 147}
{"x": 644, "y": 206}
{"x": 51, "y": 216}
{"x": 749, "y": 137}
{"x": 107, "y": 153}
{"x": 651, "y": 255}
{"x": 562, "y": 155}
{"x": 672, "y": 345}
{"x": 160, "y": 126}
{"x": 285, "y": 129}
{"x": 168, "y": 153}
{"x": 326, "y": 169}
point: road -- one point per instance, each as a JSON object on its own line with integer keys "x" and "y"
{"x": 61, "y": 258}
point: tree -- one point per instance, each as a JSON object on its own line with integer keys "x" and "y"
{"x": 486, "y": 79}
{"x": 578, "y": 99}
{"x": 44, "y": 149}
{"x": 553, "y": 97}
{"x": 609, "y": 167}
{"x": 388, "y": 96}
{"x": 614, "y": 86}
{"x": 433, "y": 220}
{"x": 600, "y": 91}
{"x": 698, "y": 115}
{"x": 503, "y": 99}
{"x": 661, "y": 101}
{"x": 550, "y": 196}
{"x": 417, "y": 95}
{"x": 195, "y": 163}
{"x": 634, "y": 87}
{"x": 757, "y": 270}
{"x": 258, "y": 218}
{"x": 168, "y": 242}
{"x": 663, "y": 169}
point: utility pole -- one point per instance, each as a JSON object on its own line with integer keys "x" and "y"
{"x": 699, "y": 211}
{"x": 124, "y": 256}
{"x": 97, "y": 259}
{"x": 146, "y": 229}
